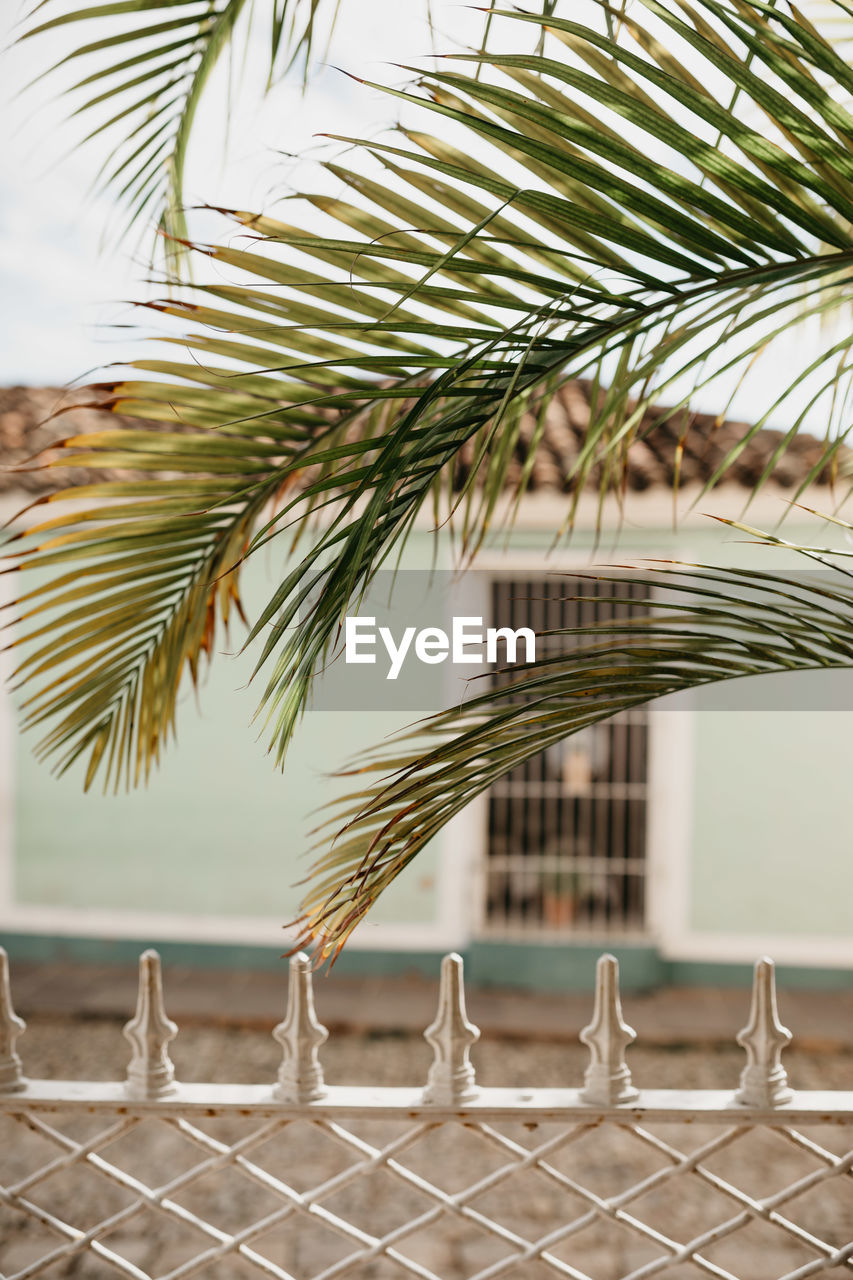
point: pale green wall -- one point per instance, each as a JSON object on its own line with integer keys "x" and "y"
{"x": 218, "y": 829}
{"x": 770, "y": 835}
{"x": 771, "y": 830}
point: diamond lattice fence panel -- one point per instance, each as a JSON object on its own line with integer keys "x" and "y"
{"x": 242, "y": 1196}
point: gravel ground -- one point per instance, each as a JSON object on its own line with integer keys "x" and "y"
{"x": 528, "y": 1203}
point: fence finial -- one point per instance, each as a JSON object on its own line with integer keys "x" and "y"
{"x": 150, "y": 1073}
{"x": 11, "y": 1026}
{"x": 451, "y": 1076}
{"x": 608, "y": 1078}
{"x": 764, "y": 1081}
{"x": 300, "y": 1076}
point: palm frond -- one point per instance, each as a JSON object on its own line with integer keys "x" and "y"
{"x": 590, "y": 224}
{"x": 132, "y": 588}
{"x": 146, "y": 69}
{"x": 704, "y": 626}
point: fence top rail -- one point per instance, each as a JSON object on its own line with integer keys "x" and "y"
{"x": 608, "y": 1089}
{"x": 539, "y": 1105}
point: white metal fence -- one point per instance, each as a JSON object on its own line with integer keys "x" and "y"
{"x": 297, "y": 1180}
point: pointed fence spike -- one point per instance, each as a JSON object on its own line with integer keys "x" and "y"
{"x": 150, "y": 1073}
{"x": 451, "y": 1076}
{"x": 11, "y": 1026}
{"x": 300, "y": 1076}
{"x": 608, "y": 1078}
{"x": 764, "y": 1081}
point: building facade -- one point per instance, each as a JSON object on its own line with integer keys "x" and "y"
{"x": 684, "y": 838}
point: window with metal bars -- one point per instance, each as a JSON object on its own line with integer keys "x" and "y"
{"x": 567, "y": 830}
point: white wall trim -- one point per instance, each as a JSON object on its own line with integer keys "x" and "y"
{"x": 809, "y": 950}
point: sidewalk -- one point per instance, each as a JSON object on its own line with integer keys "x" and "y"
{"x": 673, "y": 1015}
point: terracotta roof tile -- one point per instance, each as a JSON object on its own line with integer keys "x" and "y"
{"x": 31, "y": 421}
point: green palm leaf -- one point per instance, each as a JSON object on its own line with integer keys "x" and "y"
{"x": 591, "y": 225}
